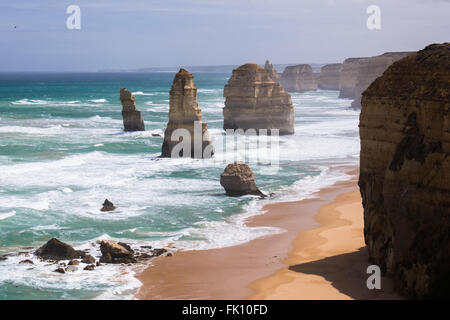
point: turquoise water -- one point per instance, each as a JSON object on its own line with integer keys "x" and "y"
{"x": 63, "y": 151}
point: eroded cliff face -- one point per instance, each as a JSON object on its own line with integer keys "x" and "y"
{"x": 371, "y": 68}
{"x": 299, "y": 78}
{"x": 329, "y": 76}
{"x": 255, "y": 101}
{"x": 132, "y": 118}
{"x": 405, "y": 171}
{"x": 184, "y": 113}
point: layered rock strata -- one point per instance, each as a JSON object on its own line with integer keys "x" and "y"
{"x": 185, "y": 122}
{"x": 349, "y": 77}
{"x": 329, "y": 76}
{"x": 255, "y": 101}
{"x": 237, "y": 179}
{"x": 132, "y": 118}
{"x": 405, "y": 172}
{"x": 299, "y": 78}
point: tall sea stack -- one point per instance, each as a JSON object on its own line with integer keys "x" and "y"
{"x": 255, "y": 101}
{"x": 349, "y": 77}
{"x": 329, "y": 76}
{"x": 132, "y": 118}
{"x": 405, "y": 172}
{"x": 299, "y": 78}
{"x": 184, "y": 113}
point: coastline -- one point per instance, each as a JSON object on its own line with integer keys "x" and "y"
{"x": 271, "y": 267}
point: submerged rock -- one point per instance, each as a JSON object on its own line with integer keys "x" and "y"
{"x": 237, "y": 179}
{"x": 108, "y": 206}
{"x": 57, "y": 250}
{"x": 405, "y": 172}
{"x": 185, "y": 117}
{"x": 255, "y": 101}
{"x": 89, "y": 267}
{"x": 60, "y": 270}
{"x": 88, "y": 259}
{"x": 132, "y": 118}
{"x": 299, "y": 78}
{"x": 27, "y": 261}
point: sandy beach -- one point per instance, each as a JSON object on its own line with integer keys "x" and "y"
{"x": 321, "y": 255}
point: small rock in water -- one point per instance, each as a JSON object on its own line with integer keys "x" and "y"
{"x": 74, "y": 262}
{"x": 238, "y": 180}
{"x": 89, "y": 267}
{"x": 108, "y": 206}
{"x": 60, "y": 270}
{"x": 57, "y": 250}
{"x": 3, "y": 258}
{"x": 88, "y": 259}
{"x": 26, "y": 261}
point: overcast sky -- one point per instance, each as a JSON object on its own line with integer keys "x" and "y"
{"x": 150, "y": 33}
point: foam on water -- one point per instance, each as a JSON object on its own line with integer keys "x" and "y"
{"x": 60, "y": 162}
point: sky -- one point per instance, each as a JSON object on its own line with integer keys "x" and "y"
{"x": 122, "y": 34}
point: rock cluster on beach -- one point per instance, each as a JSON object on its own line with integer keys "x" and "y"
{"x": 299, "y": 78}
{"x": 132, "y": 118}
{"x": 184, "y": 113}
{"x": 271, "y": 71}
{"x": 255, "y": 101}
{"x": 237, "y": 179}
{"x": 405, "y": 172}
{"x": 57, "y": 250}
{"x": 329, "y": 76}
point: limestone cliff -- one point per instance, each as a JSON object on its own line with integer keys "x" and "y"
{"x": 299, "y": 78}
{"x": 184, "y": 113}
{"x": 405, "y": 172}
{"x": 255, "y": 101}
{"x": 132, "y": 118}
{"x": 371, "y": 68}
{"x": 349, "y": 77}
{"x": 329, "y": 76}
{"x": 271, "y": 71}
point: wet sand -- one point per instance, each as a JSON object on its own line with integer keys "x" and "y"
{"x": 321, "y": 255}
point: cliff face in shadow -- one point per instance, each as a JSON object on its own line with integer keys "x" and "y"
{"x": 405, "y": 172}
{"x": 299, "y": 78}
{"x": 255, "y": 101}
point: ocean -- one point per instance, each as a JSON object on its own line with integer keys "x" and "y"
{"x": 63, "y": 151}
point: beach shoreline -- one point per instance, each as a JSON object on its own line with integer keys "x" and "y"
{"x": 256, "y": 269}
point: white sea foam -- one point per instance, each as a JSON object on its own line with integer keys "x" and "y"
{"x": 98, "y": 100}
{"x": 29, "y": 102}
{"x": 7, "y": 215}
{"x": 140, "y": 93}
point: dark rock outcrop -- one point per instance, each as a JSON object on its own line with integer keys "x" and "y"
{"x": 107, "y": 206}
{"x": 299, "y": 78}
{"x": 57, "y": 250}
{"x": 255, "y": 101}
{"x": 237, "y": 179}
{"x": 271, "y": 71}
{"x": 88, "y": 259}
{"x": 329, "y": 76}
{"x": 405, "y": 172}
{"x": 132, "y": 118}
{"x": 184, "y": 113}
{"x": 116, "y": 253}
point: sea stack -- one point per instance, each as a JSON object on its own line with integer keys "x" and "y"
{"x": 329, "y": 76}
{"x": 299, "y": 78}
{"x": 271, "y": 71}
{"x": 405, "y": 172}
{"x": 184, "y": 113}
{"x": 255, "y": 101}
{"x": 371, "y": 68}
{"x": 132, "y": 118}
{"x": 238, "y": 180}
